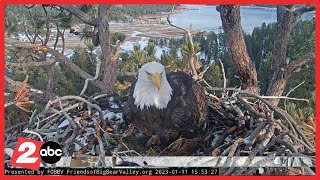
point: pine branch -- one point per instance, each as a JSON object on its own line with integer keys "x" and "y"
{"x": 80, "y": 14}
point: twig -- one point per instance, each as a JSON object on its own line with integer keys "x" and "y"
{"x": 206, "y": 83}
{"x": 250, "y": 108}
{"x": 224, "y": 76}
{"x": 83, "y": 100}
{"x": 32, "y": 116}
{"x": 32, "y": 132}
{"x": 86, "y": 82}
{"x": 99, "y": 96}
{"x": 203, "y": 72}
{"x": 291, "y": 90}
{"x": 284, "y": 97}
{"x": 71, "y": 121}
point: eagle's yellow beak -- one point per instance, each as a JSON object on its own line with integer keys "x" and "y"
{"x": 155, "y": 79}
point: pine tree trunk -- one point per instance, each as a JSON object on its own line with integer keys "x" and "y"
{"x": 231, "y": 23}
{"x": 108, "y": 72}
{"x": 285, "y": 22}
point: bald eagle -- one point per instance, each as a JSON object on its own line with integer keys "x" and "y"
{"x": 165, "y": 106}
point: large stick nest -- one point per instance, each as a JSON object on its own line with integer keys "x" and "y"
{"x": 240, "y": 124}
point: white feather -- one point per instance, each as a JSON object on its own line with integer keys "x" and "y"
{"x": 146, "y": 93}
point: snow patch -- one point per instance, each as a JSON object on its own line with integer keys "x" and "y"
{"x": 77, "y": 147}
{"x": 119, "y": 116}
{"x": 64, "y": 123}
{"x": 109, "y": 115}
{"x": 115, "y": 106}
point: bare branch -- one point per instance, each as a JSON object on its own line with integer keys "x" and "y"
{"x": 47, "y": 26}
{"x": 91, "y": 79}
{"x": 193, "y": 53}
{"x": 291, "y": 90}
{"x": 223, "y": 73}
{"x": 116, "y": 54}
{"x": 296, "y": 65}
{"x": 305, "y": 9}
{"x": 201, "y": 74}
{"x": 284, "y": 97}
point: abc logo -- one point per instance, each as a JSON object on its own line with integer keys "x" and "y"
{"x": 50, "y": 152}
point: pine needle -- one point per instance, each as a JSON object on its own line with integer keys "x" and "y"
{"x": 21, "y": 99}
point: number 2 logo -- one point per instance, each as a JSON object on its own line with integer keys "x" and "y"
{"x": 27, "y": 154}
{"x": 25, "y": 157}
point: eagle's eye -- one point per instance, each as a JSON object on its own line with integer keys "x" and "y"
{"x": 149, "y": 74}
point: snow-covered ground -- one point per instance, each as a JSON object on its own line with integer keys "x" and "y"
{"x": 135, "y": 37}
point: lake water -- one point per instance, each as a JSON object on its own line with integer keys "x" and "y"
{"x": 207, "y": 18}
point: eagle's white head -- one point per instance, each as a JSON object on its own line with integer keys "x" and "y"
{"x": 152, "y": 87}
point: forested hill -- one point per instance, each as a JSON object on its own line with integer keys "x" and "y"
{"x": 117, "y": 13}
{"x": 273, "y": 6}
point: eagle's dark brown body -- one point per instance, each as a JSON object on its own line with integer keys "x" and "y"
{"x": 186, "y": 111}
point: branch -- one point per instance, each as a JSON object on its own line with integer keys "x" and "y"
{"x": 193, "y": 53}
{"x": 80, "y": 14}
{"x": 304, "y": 9}
{"x": 170, "y": 22}
{"x": 30, "y": 64}
{"x": 296, "y": 65}
{"x": 58, "y": 56}
{"x": 47, "y": 26}
{"x": 116, "y": 54}
{"x": 291, "y": 90}
{"x": 223, "y": 73}
{"x": 201, "y": 74}
{"x": 91, "y": 105}
{"x": 91, "y": 79}
{"x": 284, "y": 97}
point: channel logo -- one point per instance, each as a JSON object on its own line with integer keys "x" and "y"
{"x": 28, "y": 153}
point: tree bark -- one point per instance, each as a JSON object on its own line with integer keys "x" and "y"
{"x": 52, "y": 80}
{"x": 12, "y": 85}
{"x": 231, "y": 23}
{"x": 287, "y": 17}
{"x": 108, "y": 72}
